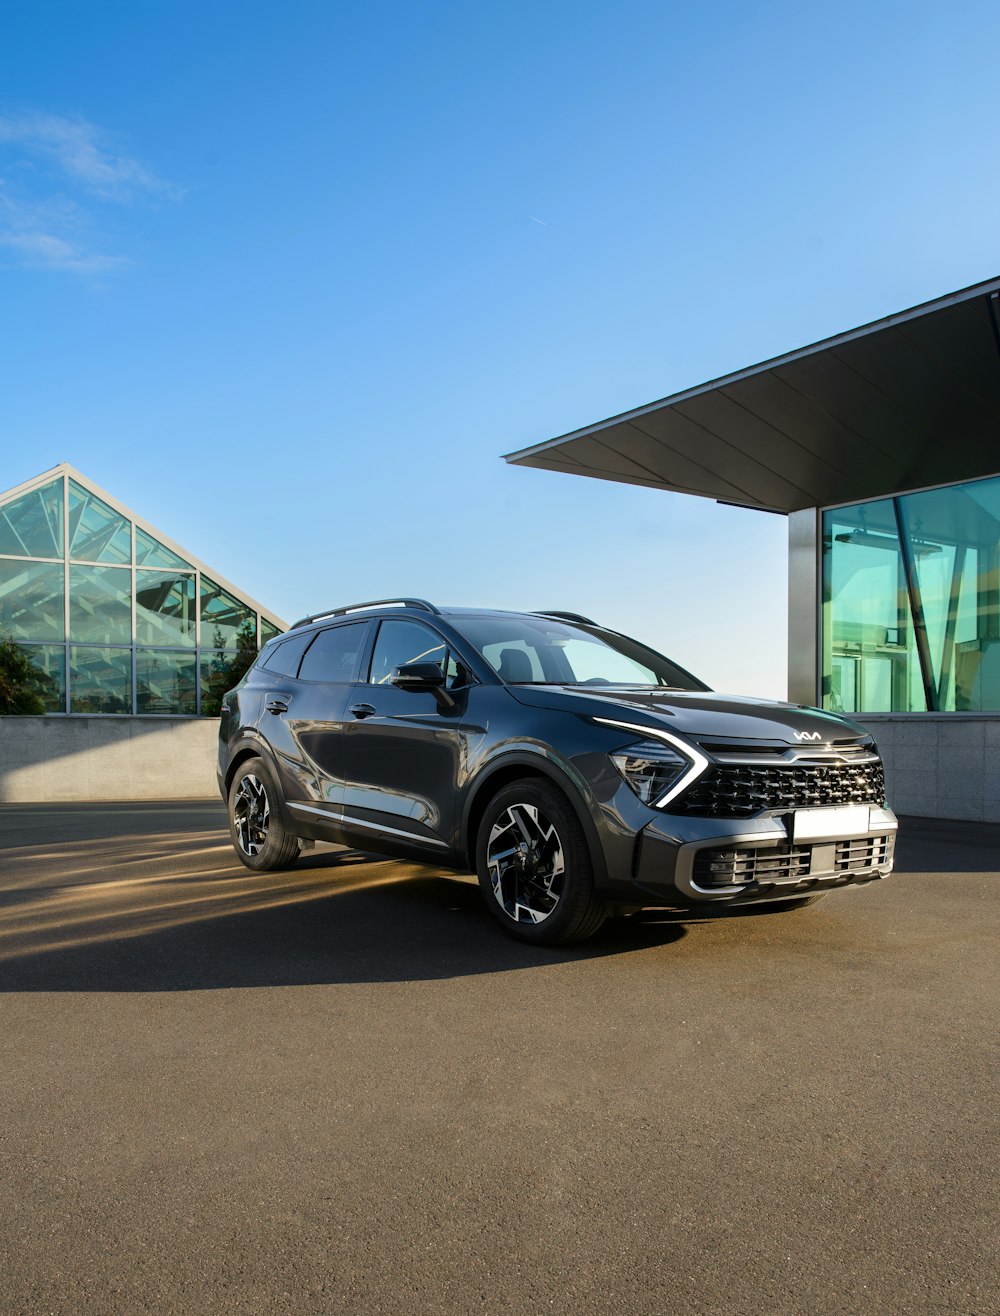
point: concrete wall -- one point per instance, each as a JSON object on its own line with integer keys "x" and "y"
{"x": 107, "y": 758}
{"x": 940, "y": 765}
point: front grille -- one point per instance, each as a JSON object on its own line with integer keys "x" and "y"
{"x": 733, "y": 866}
{"x": 738, "y": 790}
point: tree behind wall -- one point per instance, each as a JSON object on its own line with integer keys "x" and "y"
{"x": 21, "y": 683}
{"x": 224, "y": 673}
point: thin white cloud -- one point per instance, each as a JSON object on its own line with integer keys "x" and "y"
{"x": 59, "y": 173}
{"x": 47, "y": 251}
{"x": 81, "y": 151}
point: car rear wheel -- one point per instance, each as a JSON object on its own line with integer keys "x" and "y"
{"x": 259, "y": 835}
{"x": 534, "y": 866}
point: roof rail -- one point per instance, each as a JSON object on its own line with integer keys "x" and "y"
{"x": 358, "y": 607}
{"x": 566, "y": 616}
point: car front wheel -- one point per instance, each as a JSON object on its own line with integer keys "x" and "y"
{"x": 534, "y": 866}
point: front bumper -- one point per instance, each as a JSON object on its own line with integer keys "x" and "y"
{"x": 697, "y": 861}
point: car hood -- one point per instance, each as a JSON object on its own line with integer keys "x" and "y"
{"x": 701, "y": 714}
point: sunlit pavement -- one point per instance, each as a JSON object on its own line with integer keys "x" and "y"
{"x": 342, "y": 1089}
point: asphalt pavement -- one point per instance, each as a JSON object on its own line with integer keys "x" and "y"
{"x": 344, "y": 1089}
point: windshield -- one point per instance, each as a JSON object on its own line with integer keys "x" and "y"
{"x": 536, "y": 651}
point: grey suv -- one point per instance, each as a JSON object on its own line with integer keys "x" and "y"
{"x": 578, "y": 772}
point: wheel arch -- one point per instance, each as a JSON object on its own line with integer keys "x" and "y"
{"x": 516, "y": 767}
{"x": 250, "y": 748}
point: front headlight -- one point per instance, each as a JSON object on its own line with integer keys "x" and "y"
{"x": 659, "y": 766}
{"x": 650, "y": 769}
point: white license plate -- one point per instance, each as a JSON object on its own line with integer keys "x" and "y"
{"x": 831, "y": 824}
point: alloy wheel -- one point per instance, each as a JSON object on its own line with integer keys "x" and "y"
{"x": 251, "y": 815}
{"x": 524, "y": 857}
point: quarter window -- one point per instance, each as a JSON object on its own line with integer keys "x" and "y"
{"x": 334, "y": 654}
{"x": 285, "y": 657}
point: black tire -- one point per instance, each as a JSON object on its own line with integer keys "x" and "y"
{"x": 258, "y": 832}
{"x": 534, "y": 866}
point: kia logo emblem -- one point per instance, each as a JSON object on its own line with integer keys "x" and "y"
{"x": 807, "y": 735}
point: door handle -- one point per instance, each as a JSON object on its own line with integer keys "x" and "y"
{"x": 362, "y": 711}
{"x": 276, "y": 705}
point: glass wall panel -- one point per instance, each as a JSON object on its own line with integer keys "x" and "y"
{"x": 218, "y": 674}
{"x": 165, "y": 681}
{"x": 32, "y": 525}
{"x": 869, "y": 649}
{"x": 267, "y": 631}
{"x": 49, "y": 660}
{"x": 223, "y": 616}
{"x": 100, "y": 608}
{"x": 149, "y": 552}
{"x": 97, "y": 533}
{"x": 164, "y": 608}
{"x": 911, "y": 608}
{"x": 31, "y": 600}
{"x": 100, "y": 680}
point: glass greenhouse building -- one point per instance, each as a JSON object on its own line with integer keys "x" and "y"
{"x": 118, "y": 618}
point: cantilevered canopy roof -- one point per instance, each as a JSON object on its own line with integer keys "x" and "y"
{"x": 909, "y": 401}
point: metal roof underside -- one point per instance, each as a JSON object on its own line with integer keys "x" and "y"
{"x": 907, "y": 402}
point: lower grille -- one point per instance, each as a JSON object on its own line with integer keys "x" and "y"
{"x": 732, "y": 867}
{"x": 788, "y": 863}
{"x": 865, "y": 852}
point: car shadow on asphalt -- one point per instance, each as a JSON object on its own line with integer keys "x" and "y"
{"x": 337, "y": 917}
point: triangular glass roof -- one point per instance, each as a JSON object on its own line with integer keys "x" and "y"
{"x": 37, "y": 518}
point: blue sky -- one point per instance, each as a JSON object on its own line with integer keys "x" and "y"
{"x": 287, "y": 280}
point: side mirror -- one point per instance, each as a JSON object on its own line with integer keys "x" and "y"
{"x": 417, "y": 676}
{"x": 422, "y": 676}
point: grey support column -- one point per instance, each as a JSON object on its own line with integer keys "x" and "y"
{"x": 804, "y": 596}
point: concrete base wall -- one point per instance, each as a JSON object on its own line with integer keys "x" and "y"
{"x": 45, "y": 759}
{"x": 944, "y": 765}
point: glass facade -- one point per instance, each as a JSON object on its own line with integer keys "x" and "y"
{"x": 911, "y": 602}
{"x": 117, "y": 621}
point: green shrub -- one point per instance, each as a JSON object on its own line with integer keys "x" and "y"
{"x": 22, "y": 685}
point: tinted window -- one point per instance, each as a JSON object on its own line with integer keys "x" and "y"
{"x": 404, "y": 642}
{"x": 334, "y": 654}
{"x": 285, "y": 657}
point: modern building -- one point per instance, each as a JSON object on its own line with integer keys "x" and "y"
{"x": 120, "y": 619}
{"x": 882, "y": 447}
